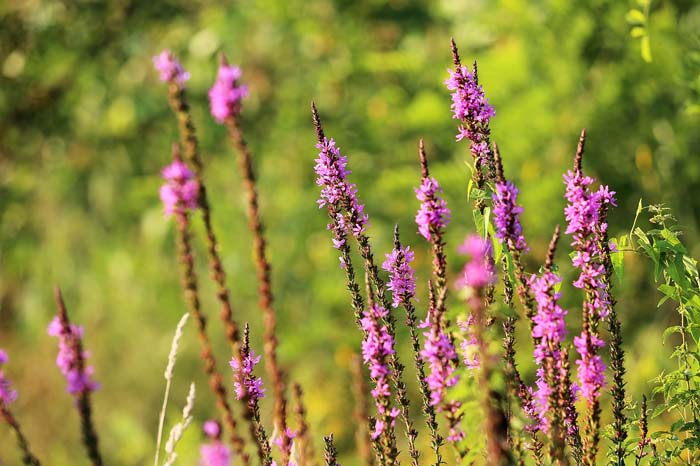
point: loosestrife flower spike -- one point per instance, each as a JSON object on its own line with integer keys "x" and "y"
{"x": 478, "y": 272}
{"x": 549, "y": 331}
{"x": 180, "y": 190}
{"x": 78, "y": 380}
{"x": 377, "y": 348}
{"x": 337, "y": 192}
{"x": 226, "y": 94}
{"x": 246, "y": 383}
{"x": 472, "y": 108}
{"x": 506, "y": 213}
{"x": 433, "y": 215}
{"x": 170, "y": 68}
{"x": 402, "y": 279}
{"x": 214, "y": 453}
{"x": 7, "y": 394}
{"x": 583, "y": 214}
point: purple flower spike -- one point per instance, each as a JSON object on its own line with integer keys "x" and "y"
{"x": 79, "y": 379}
{"x": 377, "y": 348}
{"x": 591, "y": 368}
{"x": 506, "y": 213}
{"x": 226, "y": 94}
{"x": 585, "y": 214}
{"x": 402, "y": 279}
{"x": 478, "y": 272}
{"x": 7, "y": 394}
{"x": 246, "y": 383}
{"x": 180, "y": 191}
{"x": 337, "y": 193}
{"x": 214, "y": 453}
{"x": 170, "y": 68}
{"x": 549, "y": 331}
{"x": 439, "y": 352}
{"x": 433, "y": 215}
{"x": 472, "y": 108}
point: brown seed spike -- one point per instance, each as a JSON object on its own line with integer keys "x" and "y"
{"x": 423, "y": 160}
{"x": 455, "y": 53}
{"x": 579, "y": 151}
{"x": 223, "y": 61}
{"x": 397, "y": 241}
{"x": 317, "y": 123}
{"x": 552, "y": 249}
{"x": 475, "y": 72}
{"x": 499, "y": 164}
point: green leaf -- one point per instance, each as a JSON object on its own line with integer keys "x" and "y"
{"x": 646, "y": 49}
{"x": 618, "y": 258}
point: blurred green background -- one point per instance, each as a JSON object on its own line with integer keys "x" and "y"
{"x": 85, "y": 129}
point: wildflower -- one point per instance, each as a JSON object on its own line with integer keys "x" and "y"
{"x": 336, "y": 192}
{"x": 478, "y": 272}
{"x": 170, "y": 68}
{"x": 180, "y": 191}
{"x": 402, "y": 279}
{"x": 7, "y": 394}
{"x": 472, "y": 108}
{"x": 69, "y": 361}
{"x": 585, "y": 212}
{"x": 377, "y": 347}
{"x": 439, "y": 352}
{"x": 433, "y": 215}
{"x": 246, "y": 383}
{"x": 506, "y": 213}
{"x": 226, "y": 94}
{"x": 549, "y": 331}
{"x": 214, "y": 453}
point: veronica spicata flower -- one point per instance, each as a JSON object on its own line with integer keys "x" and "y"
{"x": 215, "y": 452}
{"x": 433, "y": 215}
{"x": 506, "y": 215}
{"x": 402, "y": 279}
{"x": 79, "y": 379}
{"x": 7, "y": 393}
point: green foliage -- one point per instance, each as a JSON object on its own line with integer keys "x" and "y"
{"x": 676, "y": 273}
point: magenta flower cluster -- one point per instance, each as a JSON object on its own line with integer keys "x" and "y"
{"x": 441, "y": 356}
{"x": 433, "y": 215}
{"x": 245, "y": 382}
{"x": 506, "y": 215}
{"x": 549, "y": 331}
{"x": 585, "y": 215}
{"x": 470, "y": 105}
{"x": 79, "y": 379}
{"x": 214, "y": 453}
{"x": 402, "y": 278}
{"x": 7, "y": 393}
{"x": 479, "y": 271}
{"x": 377, "y": 347}
{"x": 180, "y": 191}
{"x": 337, "y": 192}
{"x": 226, "y": 95}
{"x": 170, "y": 68}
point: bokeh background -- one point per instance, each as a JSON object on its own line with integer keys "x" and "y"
{"x": 85, "y": 128}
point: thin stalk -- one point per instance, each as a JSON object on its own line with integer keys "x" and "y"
{"x": 304, "y": 443}
{"x": 28, "y": 457}
{"x": 361, "y": 412}
{"x": 191, "y": 293}
{"x": 411, "y": 322}
{"x": 330, "y": 451}
{"x": 275, "y": 373}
